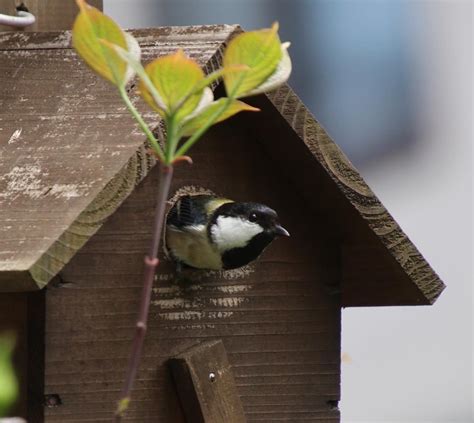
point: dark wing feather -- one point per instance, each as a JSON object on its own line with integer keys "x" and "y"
{"x": 189, "y": 210}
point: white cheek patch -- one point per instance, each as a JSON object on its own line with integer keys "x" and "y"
{"x": 233, "y": 232}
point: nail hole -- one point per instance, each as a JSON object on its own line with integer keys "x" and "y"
{"x": 333, "y": 404}
{"x": 52, "y": 401}
{"x": 22, "y": 8}
{"x": 212, "y": 377}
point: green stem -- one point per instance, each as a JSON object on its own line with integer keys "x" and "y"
{"x": 153, "y": 141}
{"x": 171, "y": 138}
{"x": 200, "y": 132}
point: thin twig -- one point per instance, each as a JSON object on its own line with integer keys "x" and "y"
{"x": 151, "y": 262}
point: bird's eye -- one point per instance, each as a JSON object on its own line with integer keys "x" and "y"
{"x": 253, "y": 217}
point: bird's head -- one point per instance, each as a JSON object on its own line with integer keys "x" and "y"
{"x": 238, "y": 225}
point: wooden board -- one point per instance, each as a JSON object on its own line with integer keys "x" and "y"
{"x": 205, "y": 384}
{"x": 278, "y": 319}
{"x": 69, "y": 151}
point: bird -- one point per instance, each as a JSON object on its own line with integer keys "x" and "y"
{"x": 214, "y": 233}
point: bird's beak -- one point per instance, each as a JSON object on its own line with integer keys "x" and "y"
{"x": 281, "y": 231}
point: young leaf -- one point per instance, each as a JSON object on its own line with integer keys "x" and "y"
{"x": 194, "y": 123}
{"x": 137, "y": 67}
{"x": 260, "y": 51}
{"x": 90, "y": 26}
{"x": 174, "y": 77}
{"x": 278, "y": 77}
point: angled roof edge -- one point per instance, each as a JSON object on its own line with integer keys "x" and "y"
{"x": 353, "y": 187}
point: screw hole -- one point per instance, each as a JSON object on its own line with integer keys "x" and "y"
{"x": 22, "y": 8}
{"x": 52, "y": 401}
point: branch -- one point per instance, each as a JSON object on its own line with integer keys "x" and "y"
{"x": 151, "y": 263}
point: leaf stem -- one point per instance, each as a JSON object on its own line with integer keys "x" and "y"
{"x": 151, "y": 263}
{"x": 171, "y": 138}
{"x": 200, "y": 132}
{"x": 153, "y": 141}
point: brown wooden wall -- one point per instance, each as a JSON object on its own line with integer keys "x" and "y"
{"x": 278, "y": 319}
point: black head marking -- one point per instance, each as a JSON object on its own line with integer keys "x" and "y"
{"x": 238, "y": 257}
{"x": 266, "y": 217}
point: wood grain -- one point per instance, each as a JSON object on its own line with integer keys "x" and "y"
{"x": 70, "y": 153}
{"x": 279, "y": 323}
{"x": 206, "y": 386}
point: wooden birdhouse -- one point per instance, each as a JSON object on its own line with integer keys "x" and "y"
{"x": 77, "y": 191}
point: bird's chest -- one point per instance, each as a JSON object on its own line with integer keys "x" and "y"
{"x": 193, "y": 248}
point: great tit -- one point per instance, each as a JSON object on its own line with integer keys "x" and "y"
{"x": 208, "y": 232}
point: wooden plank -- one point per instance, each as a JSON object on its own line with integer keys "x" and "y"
{"x": 70, "y": 150}
{"x": 206, "y": 386}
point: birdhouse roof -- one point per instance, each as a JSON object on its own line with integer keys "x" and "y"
{"x": 70, "y": 155}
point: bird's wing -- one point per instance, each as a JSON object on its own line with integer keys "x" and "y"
{"x": 193, "y": 210}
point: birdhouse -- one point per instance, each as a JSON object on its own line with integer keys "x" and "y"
{"x": 77, "y": 194}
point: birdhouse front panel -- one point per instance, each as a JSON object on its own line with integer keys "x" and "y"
{"x": 278, "y": 317}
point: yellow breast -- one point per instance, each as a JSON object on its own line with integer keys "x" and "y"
{"x": 193, "y": 248}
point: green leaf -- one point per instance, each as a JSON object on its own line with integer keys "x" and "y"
{"x": 90, "y": 27}
{"x": 174, "y": 77}
{"x": 8, "y": 381}
{"x": 278, "y": 77}
{"x": 140, "y": 71}
{"x": 194, "y": 123}
{"x": 260, "y": 51}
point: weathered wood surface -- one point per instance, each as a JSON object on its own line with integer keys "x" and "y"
{"x": 277, "y": 318}
{"x": 70, "y": 152}
{"x": 206, "y": 386}
{"x": 381, "y": 266}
